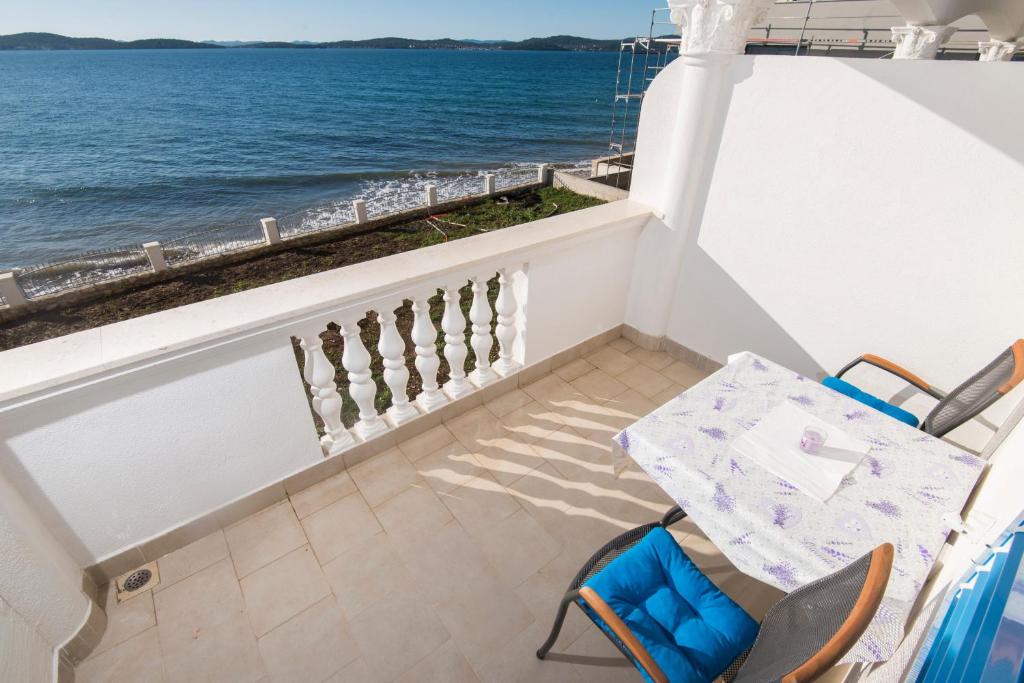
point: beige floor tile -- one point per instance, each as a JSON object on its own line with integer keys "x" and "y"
{"x": 262, "y": 538}
{"x": 617, "y": 414}
{"x": 655, "y": 360}
{"x": 449, "y": 467}
{"x": 549, "y": 388}
{"x": 683, "y": 374}
{"x": 358, "y": 671}
{"x": 209, "y": 597}
{"x": 476, "y": 428}
{"x": 516, "y": 661}
{"x": 645, "y": 381}
{"x": 518, "y": 546}
{"x": 367, "y": 573}
{"x": 320, "y": 495}
{"x": 507, "y": 402}
{"x": 136, "y": 660}
{"x": 339, "y": 526}
{"x": 531, "y": 422}
{"x": 667, "y": 394}
{"x": 483, "y": 616}
{"x": 426, "y": 443}
{"x": 186, "y": 561}
{"x": 125, "y": 620}
{"x": 508, "y": 459}
{"x": 542, "y": 593}
{"x": 310, "y": 646}
{"x": 442, "y": 563}
{"x": 611, "y": 361}
{"x": 599, "y": 661}
{"x": 599, "y": 385}
{"x": 480, "y": 503}
{"x": 445, "y": 665}
{"x": 416, "y": 511}
{"x": 282, "y": 589}
{"x": 576, "y": 368}
{"x": 622, "y": 344}
{"x": 224, "y": 652}
{"x": 384, "y": 476}
{"x": 397, "y": 634}
{"x": 576, "y": 457}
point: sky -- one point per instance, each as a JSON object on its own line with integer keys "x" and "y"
{"x": 324, "y": 20}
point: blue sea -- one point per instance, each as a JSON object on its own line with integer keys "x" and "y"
{"x": 103, "y": 149}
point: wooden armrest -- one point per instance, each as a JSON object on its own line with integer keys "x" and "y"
{"x": 1018, "y": 368}
{"x": 623, "y": 633}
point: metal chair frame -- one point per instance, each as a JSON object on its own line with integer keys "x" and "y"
{"x": 1015, "y": 378}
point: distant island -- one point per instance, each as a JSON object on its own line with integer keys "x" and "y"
{"x": 52, "y": 41}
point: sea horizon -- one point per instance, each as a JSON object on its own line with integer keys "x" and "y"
{"x": 113, "y": 148}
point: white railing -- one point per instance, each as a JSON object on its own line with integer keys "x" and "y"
{"x": 130, "y": 430}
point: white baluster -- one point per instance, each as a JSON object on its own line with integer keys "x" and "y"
{"x": 505, "y": 331}
{"x": 362, "y": 388}
{"x": 482, "y": 342}
{"x": 454, "y": 325}
{"x": 396, "y": 375}
{"x": 424, "y": 335}
{"x": 319, "y": 373}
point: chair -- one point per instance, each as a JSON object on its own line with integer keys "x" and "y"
{"x": 965, "y": 402}
{"x": 675, "y": 626}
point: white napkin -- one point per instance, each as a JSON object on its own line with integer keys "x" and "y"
{"x": 774, "y": 444}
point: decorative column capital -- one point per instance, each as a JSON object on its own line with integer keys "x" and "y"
{"x": 716, "y": 27}
{"x": 919, "y": 42}
{"x": 997, "y": 50}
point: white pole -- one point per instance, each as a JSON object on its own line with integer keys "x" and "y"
{"x": 359, "y": 206}
{"x": 11, "y": 290}
{"x": 155, "y": 254}
{"x": 271, "y": 233}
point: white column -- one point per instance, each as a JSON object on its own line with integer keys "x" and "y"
{"x": 396, "y": 375}
{"x": 997, "y": 50}
{"x": 155, "y": 254}
{"x": 480, "y": 315}
{"x": 10, "y": 290}
{"x": 543, "y": 173}
{"x": 359, "y": 206}
{"x": 424, "y": 335}
{"x": 363, "y": 390}
{"x": 489, "y": 183}
{"x": 430, "y": 195}
{"x": 715, "y": 33}
{"x": 318, "y": 371}
{"x": 505, "y": 330}
{"x": 271, "y": 232}
{"x": 454, "y": 325}
{"x": 919, "y": 42}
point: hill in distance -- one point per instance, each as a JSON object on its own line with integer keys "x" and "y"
{"x": 52, "y": 41}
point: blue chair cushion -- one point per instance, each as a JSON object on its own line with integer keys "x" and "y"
{"x": 873, "y": 401}
{"x": 689, "y": 627}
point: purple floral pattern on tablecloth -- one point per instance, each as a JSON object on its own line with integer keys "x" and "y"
{"x": 770, "y": 529}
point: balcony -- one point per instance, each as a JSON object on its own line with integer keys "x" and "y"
{"x": 390, "y": 471}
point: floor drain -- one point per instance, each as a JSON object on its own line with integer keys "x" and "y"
{"x": 137, "y": 580}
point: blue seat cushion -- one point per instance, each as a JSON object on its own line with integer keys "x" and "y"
{"x": 689, "y": 627}
{"x": 867, "y": 399}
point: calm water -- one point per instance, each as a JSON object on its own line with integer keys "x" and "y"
{"x": 103, "y": 149}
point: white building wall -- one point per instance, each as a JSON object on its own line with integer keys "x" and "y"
{"x": 168, "y": 444}
{"x": 855, "y": 206}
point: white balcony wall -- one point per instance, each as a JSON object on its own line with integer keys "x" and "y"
{"x": 852, "y": 206}
{"x": 122, "y": 433}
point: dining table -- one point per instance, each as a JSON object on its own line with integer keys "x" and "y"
{"x": 904, "y": 490}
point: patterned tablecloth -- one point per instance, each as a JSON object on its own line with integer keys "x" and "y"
{"x": 899, "y": 493}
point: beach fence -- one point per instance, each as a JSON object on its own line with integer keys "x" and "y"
{"x": 101, "y": 267}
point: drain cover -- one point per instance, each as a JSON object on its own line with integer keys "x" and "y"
{"x": 136, "y": 580}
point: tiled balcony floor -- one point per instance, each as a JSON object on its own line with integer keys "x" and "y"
{"x": 440, "y": 560}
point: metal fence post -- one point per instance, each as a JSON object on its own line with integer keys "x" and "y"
{"x": 271, "y": 233}
{"x": 359, "y": 206}
{"x": 155, "y": 254}
{"x": 489, "y": 183}
{"x": 10, "y": 290}
{"x": 430, "y": 192}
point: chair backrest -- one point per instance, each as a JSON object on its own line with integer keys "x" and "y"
{"x": 808, "y": 631}
{"x": 979, "y": 392}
